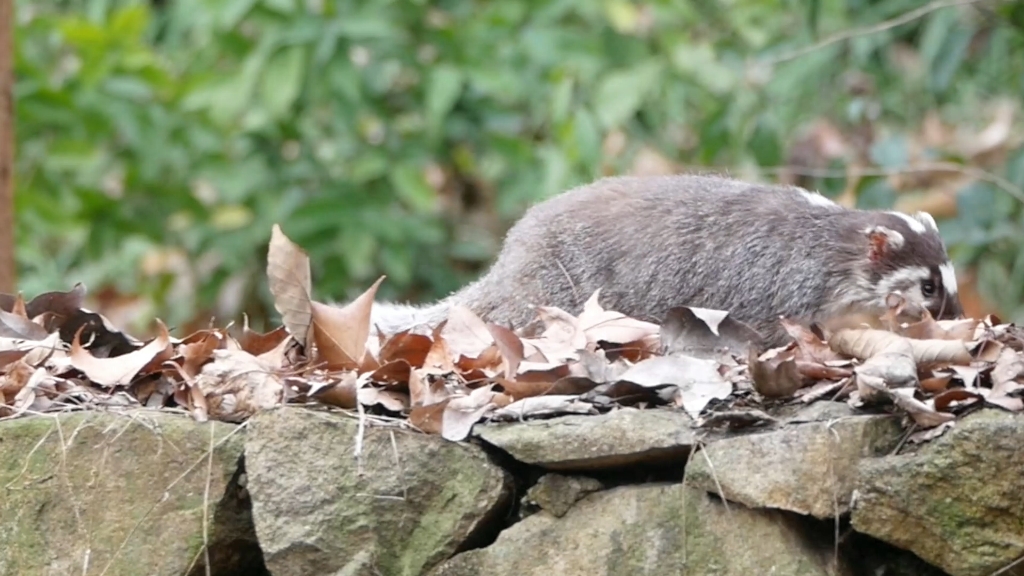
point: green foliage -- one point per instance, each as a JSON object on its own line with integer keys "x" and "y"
{"x": 157, "y": 146}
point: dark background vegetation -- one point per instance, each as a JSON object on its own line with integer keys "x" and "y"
{"x": 157, "y": 142}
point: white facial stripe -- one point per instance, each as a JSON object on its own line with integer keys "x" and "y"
{"x": 899, "y": 279}
{"x": 915, "y": 224}
{"x": 948, "y": 278}
{"x": 926, "y": 219}
{"x": 818, "y": 199}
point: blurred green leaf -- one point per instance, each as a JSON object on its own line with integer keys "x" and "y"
{"x": 282, "y": 80}
{"x": 621, "y": 92}
{"x": 411, "y": 188}
{"x": 443, "y": 88}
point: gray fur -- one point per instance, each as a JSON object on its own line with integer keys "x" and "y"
{"x": 652, "y": 243}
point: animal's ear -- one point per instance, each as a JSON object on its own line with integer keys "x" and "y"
{"x": 926, "y": 219}
{"x": 882, "y": 242}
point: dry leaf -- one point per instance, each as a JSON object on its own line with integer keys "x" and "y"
{"x": 20, "y": 327}
{"x": 341, "y": 333}
{"x": 943, "y": 400}
{"x": 119, "y": 370}
{"x": 465, "y": 333}
{"x": 775, "y": 375}
{"x": 543, "y": 406}
{"x": 428, "y": 418}
{"x": 698, "y": 380}
{"x": 236, "y": 385}
{"x": 461, "y": 413}
{"x": 290, "y": 282}
{"x": 255, "y": 343}
{"x": 1008, "y": 368}
{"x": 341, "y": 393}
{"x": 392, "y": 400}
{"x": 407, "y": 347}
{"x": 600, "y": 325}
{"x": 510, "y": 346}
{"x": 810, "y": 346}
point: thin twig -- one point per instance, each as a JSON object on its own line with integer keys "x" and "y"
{"x": 1008, "y": 567}
{"x": 714, "y": 476}
{"x": 165, "y": 494}
{"x": 360, "y": 431}
{"x": 206, "y": 500}
{"x": 977, "y": 173}
{"x": 900, "y": 20}
{"x": 398, "y": 463}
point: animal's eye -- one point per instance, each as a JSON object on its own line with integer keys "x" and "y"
{"x": 928, "y": 288}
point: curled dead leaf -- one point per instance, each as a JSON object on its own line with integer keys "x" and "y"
{"x": 290, "y": 282}
{"x": 341, "y": 333}
{"x": 119, "y": 370}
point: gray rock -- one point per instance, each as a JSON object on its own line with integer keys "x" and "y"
{"x": 122, "y": 494}
{"x": 406, "y": 504}
{"x": 654, "y": 530}
{"x": 621, "y": 438}
{"x": 808, "y": 468}
{"x": 956, "y": 502}
{"x": 557, "y": 493}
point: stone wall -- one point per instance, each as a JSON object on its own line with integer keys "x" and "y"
{"x": 304, "y": 492}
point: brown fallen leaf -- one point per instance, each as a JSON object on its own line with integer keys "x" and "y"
{"x": 426, "y": 388}
{"x": 600, "y": 325}
{"x": 119, "y": 370}
{"x": 15, "y": 326}
{"x": 290, "y": 282}
{"x": 812, "y": 348}
{"x": 462, "y": 412}
{"x": 930, "y": 329}
{"x": 823, "y": 389}
{"x": 518, "y": 389}
{"x": 510, "y": 346}
{"x": 465, "y": 333}
{"x": 196, "y": 354}
{"x": 561, "y": 339}
{"x": 13, "y": 379}
{"x": 341, "y": 333}
{"x": 428, "y": 418}
{"x": 943, "y": 400}
{"x": 921, "y": 413}
{"x": 394, "y": 372}
{"x": 543, "y": 406}
{"x": 698, "y": 380}
{"x": 393, "y": 400}
{"x": 887, "y": 356}
{"x": 97, "y": 334}
{"x": 60, "y": 303}
{"x": 255, "y": 343}
{"x": 341, "y": 392}
{"x": 406, "y": 347}
{"x": 236, "y": 385}
{"x": 936, "y": 384}
{"x": 815, "y": 371}
{"x": 1009, "y": 367}
{"x": 775, "y": 374}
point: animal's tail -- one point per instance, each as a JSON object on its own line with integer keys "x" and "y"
{"x": 392, "y": 318}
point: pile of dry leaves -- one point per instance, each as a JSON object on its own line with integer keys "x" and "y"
{"x": 57, "y": 356}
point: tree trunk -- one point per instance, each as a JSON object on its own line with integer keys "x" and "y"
{"x": 7, "y": 269}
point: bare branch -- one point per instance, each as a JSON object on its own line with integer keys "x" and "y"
{"x": 900, "y": 20}
{"x": 7, "y": 269}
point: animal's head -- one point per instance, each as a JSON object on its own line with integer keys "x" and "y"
{"x": 905, "y": 254}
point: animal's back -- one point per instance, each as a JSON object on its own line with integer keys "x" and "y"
{"x": 651, "y": 243}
